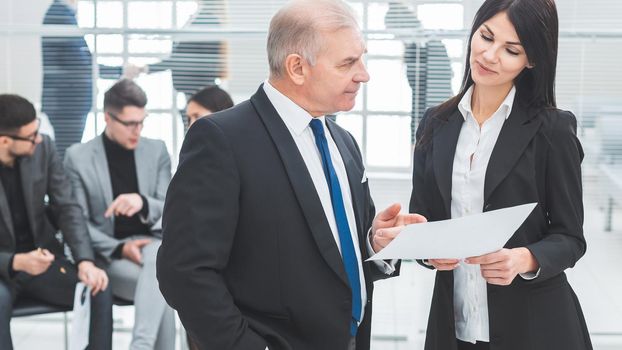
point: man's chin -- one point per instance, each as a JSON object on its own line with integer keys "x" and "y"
{"x": 28, "y": 153}
{"x": 347, "y": 107}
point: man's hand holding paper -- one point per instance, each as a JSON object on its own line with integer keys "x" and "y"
{"x": 389, "y": 223}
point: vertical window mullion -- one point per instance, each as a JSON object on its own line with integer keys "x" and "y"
{"x": 364, "y": 111}
{"x": 95, "y": 77}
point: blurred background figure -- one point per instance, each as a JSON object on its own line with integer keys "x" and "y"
{"x": 196, "y": 63}
{"x": 209, "y": 100}
{"x": 428, "y": 68}
{"x": 67, "y": 94}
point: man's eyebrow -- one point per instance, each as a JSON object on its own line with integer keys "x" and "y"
{"x": 355, "y": 58}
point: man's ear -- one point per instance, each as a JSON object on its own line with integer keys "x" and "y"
{"x": 294, "y": 68}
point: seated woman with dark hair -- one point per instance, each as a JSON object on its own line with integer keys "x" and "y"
{"x": 206, "y": 101}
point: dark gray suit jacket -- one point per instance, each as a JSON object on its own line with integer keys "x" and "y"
{"x": 87, "y": 168}
{"x": 42, "y": 174}
{"x": 248, "y": 257}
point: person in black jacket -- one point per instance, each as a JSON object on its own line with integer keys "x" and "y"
{"x": 32, "y": 262}
{"x": 428, "y": 68}
{"x": 194, "y": 62}
{"x": 502, "y": 142}
{"x": 67, "y": 95}
{"x": 268, "y": 221}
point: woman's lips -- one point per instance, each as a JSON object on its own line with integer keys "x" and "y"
{"x": 485, "y": 69}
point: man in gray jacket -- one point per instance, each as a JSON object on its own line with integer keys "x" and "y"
{"x": 32, "y": 261}
{"x": 120, "y": 180}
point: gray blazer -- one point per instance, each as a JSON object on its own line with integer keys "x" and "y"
{"x": 42, "y": 174}
{"x": 87, "y": 168}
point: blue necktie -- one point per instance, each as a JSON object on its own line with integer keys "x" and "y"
{"x": 348, "y": 254}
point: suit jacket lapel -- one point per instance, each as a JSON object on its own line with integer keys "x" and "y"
{"x": 100, "y": 164}
{"x": 143, "y": 169}
{"x": 301, "y": 182}
{"x": 5, "y": 211}
{"x": 354, "y": 178}
{"x": 444, "y": 149}
{"x": 516, "y": 133}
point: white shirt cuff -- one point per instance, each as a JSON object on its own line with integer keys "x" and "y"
{"x": 386, "y": 268}
{"x": 530, "y": 275}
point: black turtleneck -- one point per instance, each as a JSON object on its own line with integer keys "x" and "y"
{"x": 122, "y": 169}
{"x": 12, "y": 184}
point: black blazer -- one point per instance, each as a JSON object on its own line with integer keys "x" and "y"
{"x": 537, "y": 158}
{"x": 42, "y": 174}
{"x": 248, "y": 258}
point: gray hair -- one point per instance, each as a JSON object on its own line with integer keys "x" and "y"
{"x": 296, "y": 29}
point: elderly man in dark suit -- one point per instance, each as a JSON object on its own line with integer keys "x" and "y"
{"x": 268, "y": 220}
{"x": 32, "y": 262}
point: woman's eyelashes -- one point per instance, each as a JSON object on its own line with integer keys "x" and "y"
{"x": 490, "y": 38}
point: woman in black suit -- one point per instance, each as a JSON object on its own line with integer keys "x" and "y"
{"x": 501, "y": 142}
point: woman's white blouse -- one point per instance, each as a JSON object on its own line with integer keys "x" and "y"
{"x": 473, "y": 152}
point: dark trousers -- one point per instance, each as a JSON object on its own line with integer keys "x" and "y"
{"x": 68, "y": 128}
{"x": 57, "y": 288}
{"x": 469, "y": 346}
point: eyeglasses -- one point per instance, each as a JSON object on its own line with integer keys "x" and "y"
{"x": 32, "y": 138}
{"x": 128, "y": 124}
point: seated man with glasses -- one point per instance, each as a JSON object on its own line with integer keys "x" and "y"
{"x": 32, "y": 260}
{"x": 120, "y": 179}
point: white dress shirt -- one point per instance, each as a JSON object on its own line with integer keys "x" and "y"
{"x": 473, "y": 152}
{"x": 297, "y": 121}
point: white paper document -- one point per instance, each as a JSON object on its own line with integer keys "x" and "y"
{"x": 458, "y": 238}
{"x": 81, "y": 317}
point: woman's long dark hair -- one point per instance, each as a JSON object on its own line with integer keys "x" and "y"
{"x": 537, "y": 26}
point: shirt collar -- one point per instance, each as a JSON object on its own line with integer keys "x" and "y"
{"x": 506, "y": 106}
{"x": 295, "y": 117}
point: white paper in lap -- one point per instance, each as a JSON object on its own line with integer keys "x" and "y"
{"x": 81, "y": 317}
{"x": 458, "y": 238}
